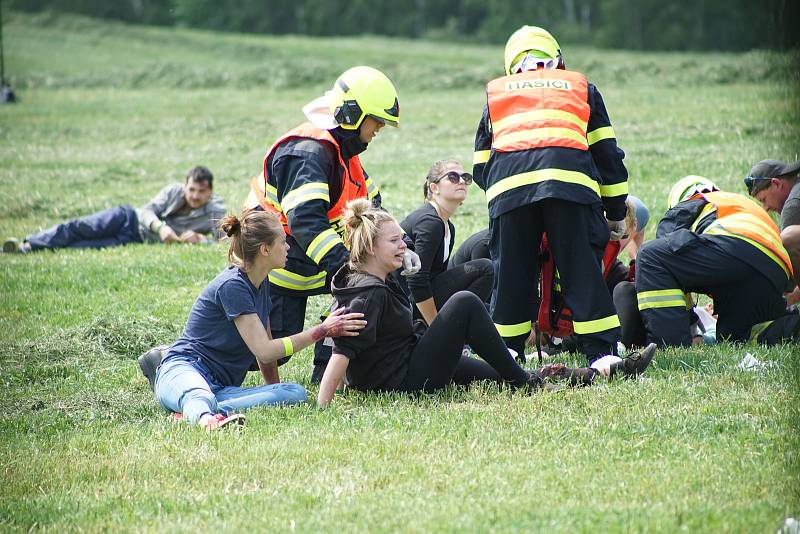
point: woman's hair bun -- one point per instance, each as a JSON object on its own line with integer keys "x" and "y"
{"x": 356, "y": 209}
{"x": 231, "y": 225}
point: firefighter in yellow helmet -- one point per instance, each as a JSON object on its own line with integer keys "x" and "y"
{"x": 309, "y": 174}
{"x": 547, "y": 157}
{"x": 723, "y": 245}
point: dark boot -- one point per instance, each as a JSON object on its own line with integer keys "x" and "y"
{"x": 149, "y": 362}
{"x": 635, "y": 364}
{"x": 582, "y": 376}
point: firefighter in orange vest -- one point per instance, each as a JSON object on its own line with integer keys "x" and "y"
{"x": 309, "y": 175}
{"x": 547, "y": 158}
{"x": 721, "y": 244}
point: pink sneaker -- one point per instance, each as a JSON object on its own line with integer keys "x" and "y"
{"x": 219, "y": 420}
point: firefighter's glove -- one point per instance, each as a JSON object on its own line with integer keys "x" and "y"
{"x": 618, "y": 230}
{"x": 411, "y": 263}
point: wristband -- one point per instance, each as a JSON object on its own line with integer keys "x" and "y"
{"x": 288, "y": 348}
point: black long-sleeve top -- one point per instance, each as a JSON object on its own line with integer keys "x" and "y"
{"x": 426, "y": 230}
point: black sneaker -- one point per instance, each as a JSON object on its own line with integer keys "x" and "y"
{"x": 149, "y": 362}
{"x": 635, "y": 364}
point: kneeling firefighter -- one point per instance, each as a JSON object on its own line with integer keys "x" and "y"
{"x": 723, "y": 245}
{"x": 309, "y": 174}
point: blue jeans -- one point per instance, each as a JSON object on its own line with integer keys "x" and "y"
{"x": 107, "y": 228}
{"x": 183, "y": 385}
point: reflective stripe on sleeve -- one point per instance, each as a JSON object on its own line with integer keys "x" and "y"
{"x": 372, "y": 189}
{"x": 599, "y": 134}
{"x": 321, "y": 244}
{"x": 290, "y": 280}
{"x": 304, "y": 193}
{"x": 614, "y": 190}
{"x": 598, "y": 325}
{"x": 480, "y": 156}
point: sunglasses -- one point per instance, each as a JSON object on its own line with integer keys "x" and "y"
{"x": 454, "y": 177}
{"x": 755, "y": 184}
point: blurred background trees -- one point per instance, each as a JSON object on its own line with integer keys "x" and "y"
{"x": 733, "y": 25}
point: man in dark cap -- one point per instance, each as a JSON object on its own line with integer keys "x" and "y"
{"x": 776, "y": 185}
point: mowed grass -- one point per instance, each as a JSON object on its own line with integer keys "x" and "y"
{"x": 110, "y": 113}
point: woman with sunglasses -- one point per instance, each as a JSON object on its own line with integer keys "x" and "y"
{"x": 389, "y": 354}
{"x": 433, "y": 234}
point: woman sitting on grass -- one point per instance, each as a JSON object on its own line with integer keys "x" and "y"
{"x": 388, "y": 355}
{"x": 433, "y": 235}
{"x": 200, "y": 376}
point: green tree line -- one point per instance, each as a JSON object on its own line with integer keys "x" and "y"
{"x": 632, "y": 24}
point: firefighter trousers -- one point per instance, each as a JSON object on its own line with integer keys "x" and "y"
{"x": 577, "y": 234}
{"x": 683, "y": 262}
{"x": 286, "y": 318}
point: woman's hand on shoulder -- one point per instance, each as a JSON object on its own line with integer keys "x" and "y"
{"x": 342, "y": 323}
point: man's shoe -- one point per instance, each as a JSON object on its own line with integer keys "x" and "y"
{"x": 217, "y": 421}
{"x": 149, "y": 362}
{"x": 635, "y": 364}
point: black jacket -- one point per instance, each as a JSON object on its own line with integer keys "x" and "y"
{"x": 379, "y": 355}
{"x": 298, "y": 162}
{"x": 426, "y": 230}
{"x": 675, "y": 228}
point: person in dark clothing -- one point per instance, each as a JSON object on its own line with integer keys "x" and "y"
{"x": 474, "y": 247}
{"x": 432, "y": 234}
{"x": 390, "y": 355}
{"x": 721, "y": 244}
{"x": 180, "y": 213}
{"x": 309, "y": 174}
{"x": 546, "y": 155}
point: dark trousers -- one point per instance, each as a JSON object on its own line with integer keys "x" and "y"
{"x": 577, "y": 234}
{"x": 108, "y": 228}
{"x": 743, "y": 296}
{"x": 633, "y": 333}
{"x": 475, "y": 276}
{"x": 286, "y": 318}
{"x": 437, "y": 360}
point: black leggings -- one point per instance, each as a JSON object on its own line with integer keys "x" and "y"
{"x": 436, "y": 360}
{"x": 475, "y": 276}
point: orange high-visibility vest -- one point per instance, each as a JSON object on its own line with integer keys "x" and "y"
{"x": 354, "y": 183}
{"x": 740, "y": 217}
{"x": 538, "y": 109}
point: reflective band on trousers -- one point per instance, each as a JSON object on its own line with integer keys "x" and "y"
{"x": 513, "y": 330}
{"x": 541, "y": 175}
{"x": 321, "y": 244}
{"x": 758, "y": 329}
{"x": 290, "y": 280}
{"x": 598, "y": 325}
{"x": 661, "y": 298}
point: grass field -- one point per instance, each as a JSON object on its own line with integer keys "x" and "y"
{"x": 109, "y": 113}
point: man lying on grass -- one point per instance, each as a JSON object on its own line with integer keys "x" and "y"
{"x": 390, "y": 355}
{"x": 201, "y": 374}
{"x": 185, "y": 213}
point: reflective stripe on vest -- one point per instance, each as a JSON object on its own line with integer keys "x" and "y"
{"x": 354, "y": 183}
{"x": 290, "y": 280}
{"x": 538, "y": 109}
{"x": 740, "y": 217}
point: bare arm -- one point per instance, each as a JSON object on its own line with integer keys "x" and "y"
{"x": 270, "y": 372}
{"x": 334, "y": 373}
{"x": 268, "y": 350}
